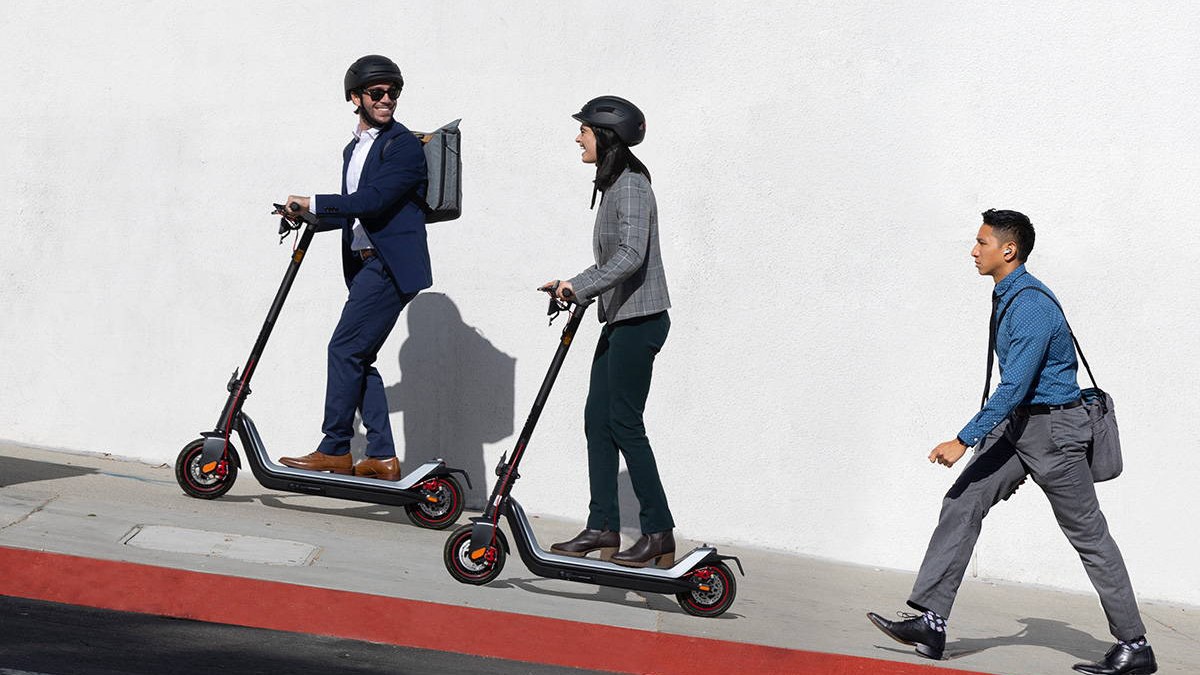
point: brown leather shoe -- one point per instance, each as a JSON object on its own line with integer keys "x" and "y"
{"x": 376, "y": 467}
{"x": 587, "y": 541}
{"x": 657, "y": 548}
{"x": 319, "y": 461}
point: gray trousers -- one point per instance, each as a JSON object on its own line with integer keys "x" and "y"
{"x": 1052, "y": 448}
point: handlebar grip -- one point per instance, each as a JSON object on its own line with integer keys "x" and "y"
{"x": 302, "y": 214}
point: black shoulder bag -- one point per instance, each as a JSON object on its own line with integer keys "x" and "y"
{"x": 1104, "y": 454}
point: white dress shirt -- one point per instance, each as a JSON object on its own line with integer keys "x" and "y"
{"x": 358, "y": 157}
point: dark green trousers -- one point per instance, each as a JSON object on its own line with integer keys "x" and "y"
{"x": 616, "y": 399}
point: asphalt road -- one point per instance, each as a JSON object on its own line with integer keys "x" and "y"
{"x": 46, "y": 638}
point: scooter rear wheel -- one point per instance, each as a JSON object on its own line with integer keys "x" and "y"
{"x": 440, "y": 514}
{"x": 195, "y": 482}
{"x": 457, "y": 557}
{"x": 721, "y": 590}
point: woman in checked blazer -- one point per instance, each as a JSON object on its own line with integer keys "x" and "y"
{"x": 630, "y": 289}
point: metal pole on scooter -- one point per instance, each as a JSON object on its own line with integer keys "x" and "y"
{"x": 217, "y": 440}
{"x": 483, "y": 534}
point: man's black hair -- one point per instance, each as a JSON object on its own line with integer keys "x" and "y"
{"x": 612, "y": 158}
{"x": 1011, "y": 226}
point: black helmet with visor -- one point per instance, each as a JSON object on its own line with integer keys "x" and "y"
{"x": 614, "y": 112}
{"x": 371, "y": 69}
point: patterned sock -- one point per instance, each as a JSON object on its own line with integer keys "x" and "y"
{"x": 1136, "y": 644}
{"x": 934, "y": 621}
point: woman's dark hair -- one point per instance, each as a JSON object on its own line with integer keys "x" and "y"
{"x": 613, "y": 157}
{"x": 1012, "y": 226}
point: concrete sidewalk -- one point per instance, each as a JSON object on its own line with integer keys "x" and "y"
{"x": 100, "y": 508}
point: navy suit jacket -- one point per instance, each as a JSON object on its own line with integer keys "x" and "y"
{"x": 393, "y": 173}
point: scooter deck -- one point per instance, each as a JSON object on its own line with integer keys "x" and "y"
{"x": 674, "y": 579}
{"x": 340, "y": 486}
{"x": 517, "y": 520}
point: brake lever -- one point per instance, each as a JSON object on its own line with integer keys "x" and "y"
{"x": 286, "y": 224}
{"x": 556, "y": 306}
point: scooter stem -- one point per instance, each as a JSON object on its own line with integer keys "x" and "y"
{"x": 484, "y": 534}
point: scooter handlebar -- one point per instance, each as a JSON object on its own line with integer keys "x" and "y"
{"x": 552, "y": 290}
{"x": 558, "y": 305}
{"x": 294, "y": 213}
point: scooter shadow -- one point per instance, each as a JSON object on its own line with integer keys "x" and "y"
{"x": 1056, "y": 635}
{"x": 14, "y": 470}
{"x": 612, "y": 596}
{"x": 379, "y": 512}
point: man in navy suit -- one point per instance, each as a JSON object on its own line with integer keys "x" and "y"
{"x": 386, "y": 262}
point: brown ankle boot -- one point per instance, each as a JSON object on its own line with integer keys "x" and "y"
{"x": 657, "y": 548}
{"x": 587, "y": 541}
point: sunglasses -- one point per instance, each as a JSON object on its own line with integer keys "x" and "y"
{"x": 377, "y": 93}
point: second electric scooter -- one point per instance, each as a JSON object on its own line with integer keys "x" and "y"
{"x": 474, "y": 554}
{"x": 206, "y": 467}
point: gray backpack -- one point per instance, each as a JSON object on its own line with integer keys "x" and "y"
{"x": 443, "y": 196}
{"x": 443, "y": 161}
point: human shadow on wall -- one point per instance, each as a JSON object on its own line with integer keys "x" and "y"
{"x": 630, "y": 507}
{"x": 456, "y": 391}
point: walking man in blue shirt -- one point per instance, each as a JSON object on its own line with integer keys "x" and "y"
{"x": 1033, "y": 425}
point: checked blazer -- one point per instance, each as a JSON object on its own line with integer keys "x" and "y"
{"x": 628, "y": 277}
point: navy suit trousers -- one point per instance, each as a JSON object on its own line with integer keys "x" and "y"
{"x": 353, "y": 383}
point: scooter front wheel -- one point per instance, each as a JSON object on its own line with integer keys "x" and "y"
{"x": 442, "y": 506}
{"x": 194, "y": 481}
{"x": 457, "y": 557}
{"x": 714, "y": 593}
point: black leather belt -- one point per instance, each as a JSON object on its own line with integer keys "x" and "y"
{"x": 1044, "y": 409}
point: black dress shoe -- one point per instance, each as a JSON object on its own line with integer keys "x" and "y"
{"x": 915, "y": 631}
{"x": 1122, "y": 660}
{"x": 657, "y": 548}
{"x": 587, "y": 541}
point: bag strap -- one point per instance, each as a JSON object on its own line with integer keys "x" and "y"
{"x": 994, "y": 326}
{"x": 414, "y": 196}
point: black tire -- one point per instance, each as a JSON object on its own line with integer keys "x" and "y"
{"x": 202, "y": 485}
{"x": 719, "y": 597}
{"x": 440, "y": 515}
{"x": 459, "y": 564}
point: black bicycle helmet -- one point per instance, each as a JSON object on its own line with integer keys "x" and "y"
{"x": 614, "y": 112}
{"x": 370, "y": 69}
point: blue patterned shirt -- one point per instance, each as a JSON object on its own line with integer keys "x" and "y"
{"x": 1035, "y": 351}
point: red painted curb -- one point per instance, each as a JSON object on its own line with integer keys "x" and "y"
{"x": 274, "y": 605}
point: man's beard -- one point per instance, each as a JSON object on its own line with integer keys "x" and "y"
{"x": 365, "y": 114}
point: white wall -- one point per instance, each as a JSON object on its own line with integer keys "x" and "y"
{"x": 819, "y": 167}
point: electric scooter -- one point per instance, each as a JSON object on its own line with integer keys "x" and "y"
{"x": 474, "y": 554}
{"x": 207, "y": 467}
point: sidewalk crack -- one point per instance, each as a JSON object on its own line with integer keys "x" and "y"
{"x": 25, "y": 517}
{"x": 1173, "y": 629}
